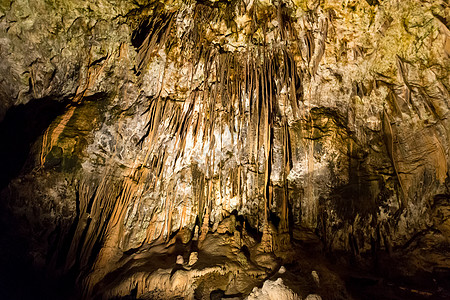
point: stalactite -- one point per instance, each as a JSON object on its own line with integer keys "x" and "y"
{"x": 389, "y": 135}
{"x": 284, "y": 223}
{"x": 160, "y": 27}
{"x": 239, "y": 90}
{"x": 217, "y": 115}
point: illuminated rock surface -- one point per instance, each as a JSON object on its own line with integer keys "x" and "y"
{"x": 241, "y": 135}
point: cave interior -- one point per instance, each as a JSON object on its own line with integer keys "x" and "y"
{"x": 224, "y": 149}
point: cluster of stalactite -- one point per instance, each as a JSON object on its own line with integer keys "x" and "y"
{"x": 161, "y": 121}
{"x": 243, "y": 100}
{"x": 252, "y": 94}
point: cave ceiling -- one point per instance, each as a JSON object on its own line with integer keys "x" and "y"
{"x": 127, "y": 125}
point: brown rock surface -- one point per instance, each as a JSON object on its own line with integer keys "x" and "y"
{"x": 125, "y": 125}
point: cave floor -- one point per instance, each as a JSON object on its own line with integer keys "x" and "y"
{"x": 220, "y": 269}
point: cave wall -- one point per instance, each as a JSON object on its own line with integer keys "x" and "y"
{"x": 327, "y": 116}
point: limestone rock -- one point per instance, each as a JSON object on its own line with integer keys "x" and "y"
{"x": 272, "y": 290}
{"x": 315, "y": 277}
{"x": 313, "y": 297}
{"x": 180, "y": 260}
{"x": 129, "y": 124}
{"x": 193, "y": 257}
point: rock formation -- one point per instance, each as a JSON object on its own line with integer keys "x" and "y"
{"x": 133, "y": 132}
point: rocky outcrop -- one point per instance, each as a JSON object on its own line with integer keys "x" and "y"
{"x": 272, "y": 290}
{"x": 163, "y": 120}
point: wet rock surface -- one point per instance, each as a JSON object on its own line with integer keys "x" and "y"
{"x": 253, "y": 133}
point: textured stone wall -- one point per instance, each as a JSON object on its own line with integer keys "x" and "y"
{"x": 329, "y": 116}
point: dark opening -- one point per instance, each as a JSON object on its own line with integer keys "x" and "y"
{"x": 151, "y": 26}
{"x": 20, "y": 128}
{"x": 139, "y": 35}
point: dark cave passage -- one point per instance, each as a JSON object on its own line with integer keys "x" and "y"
{"x": 20, "y": 128}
